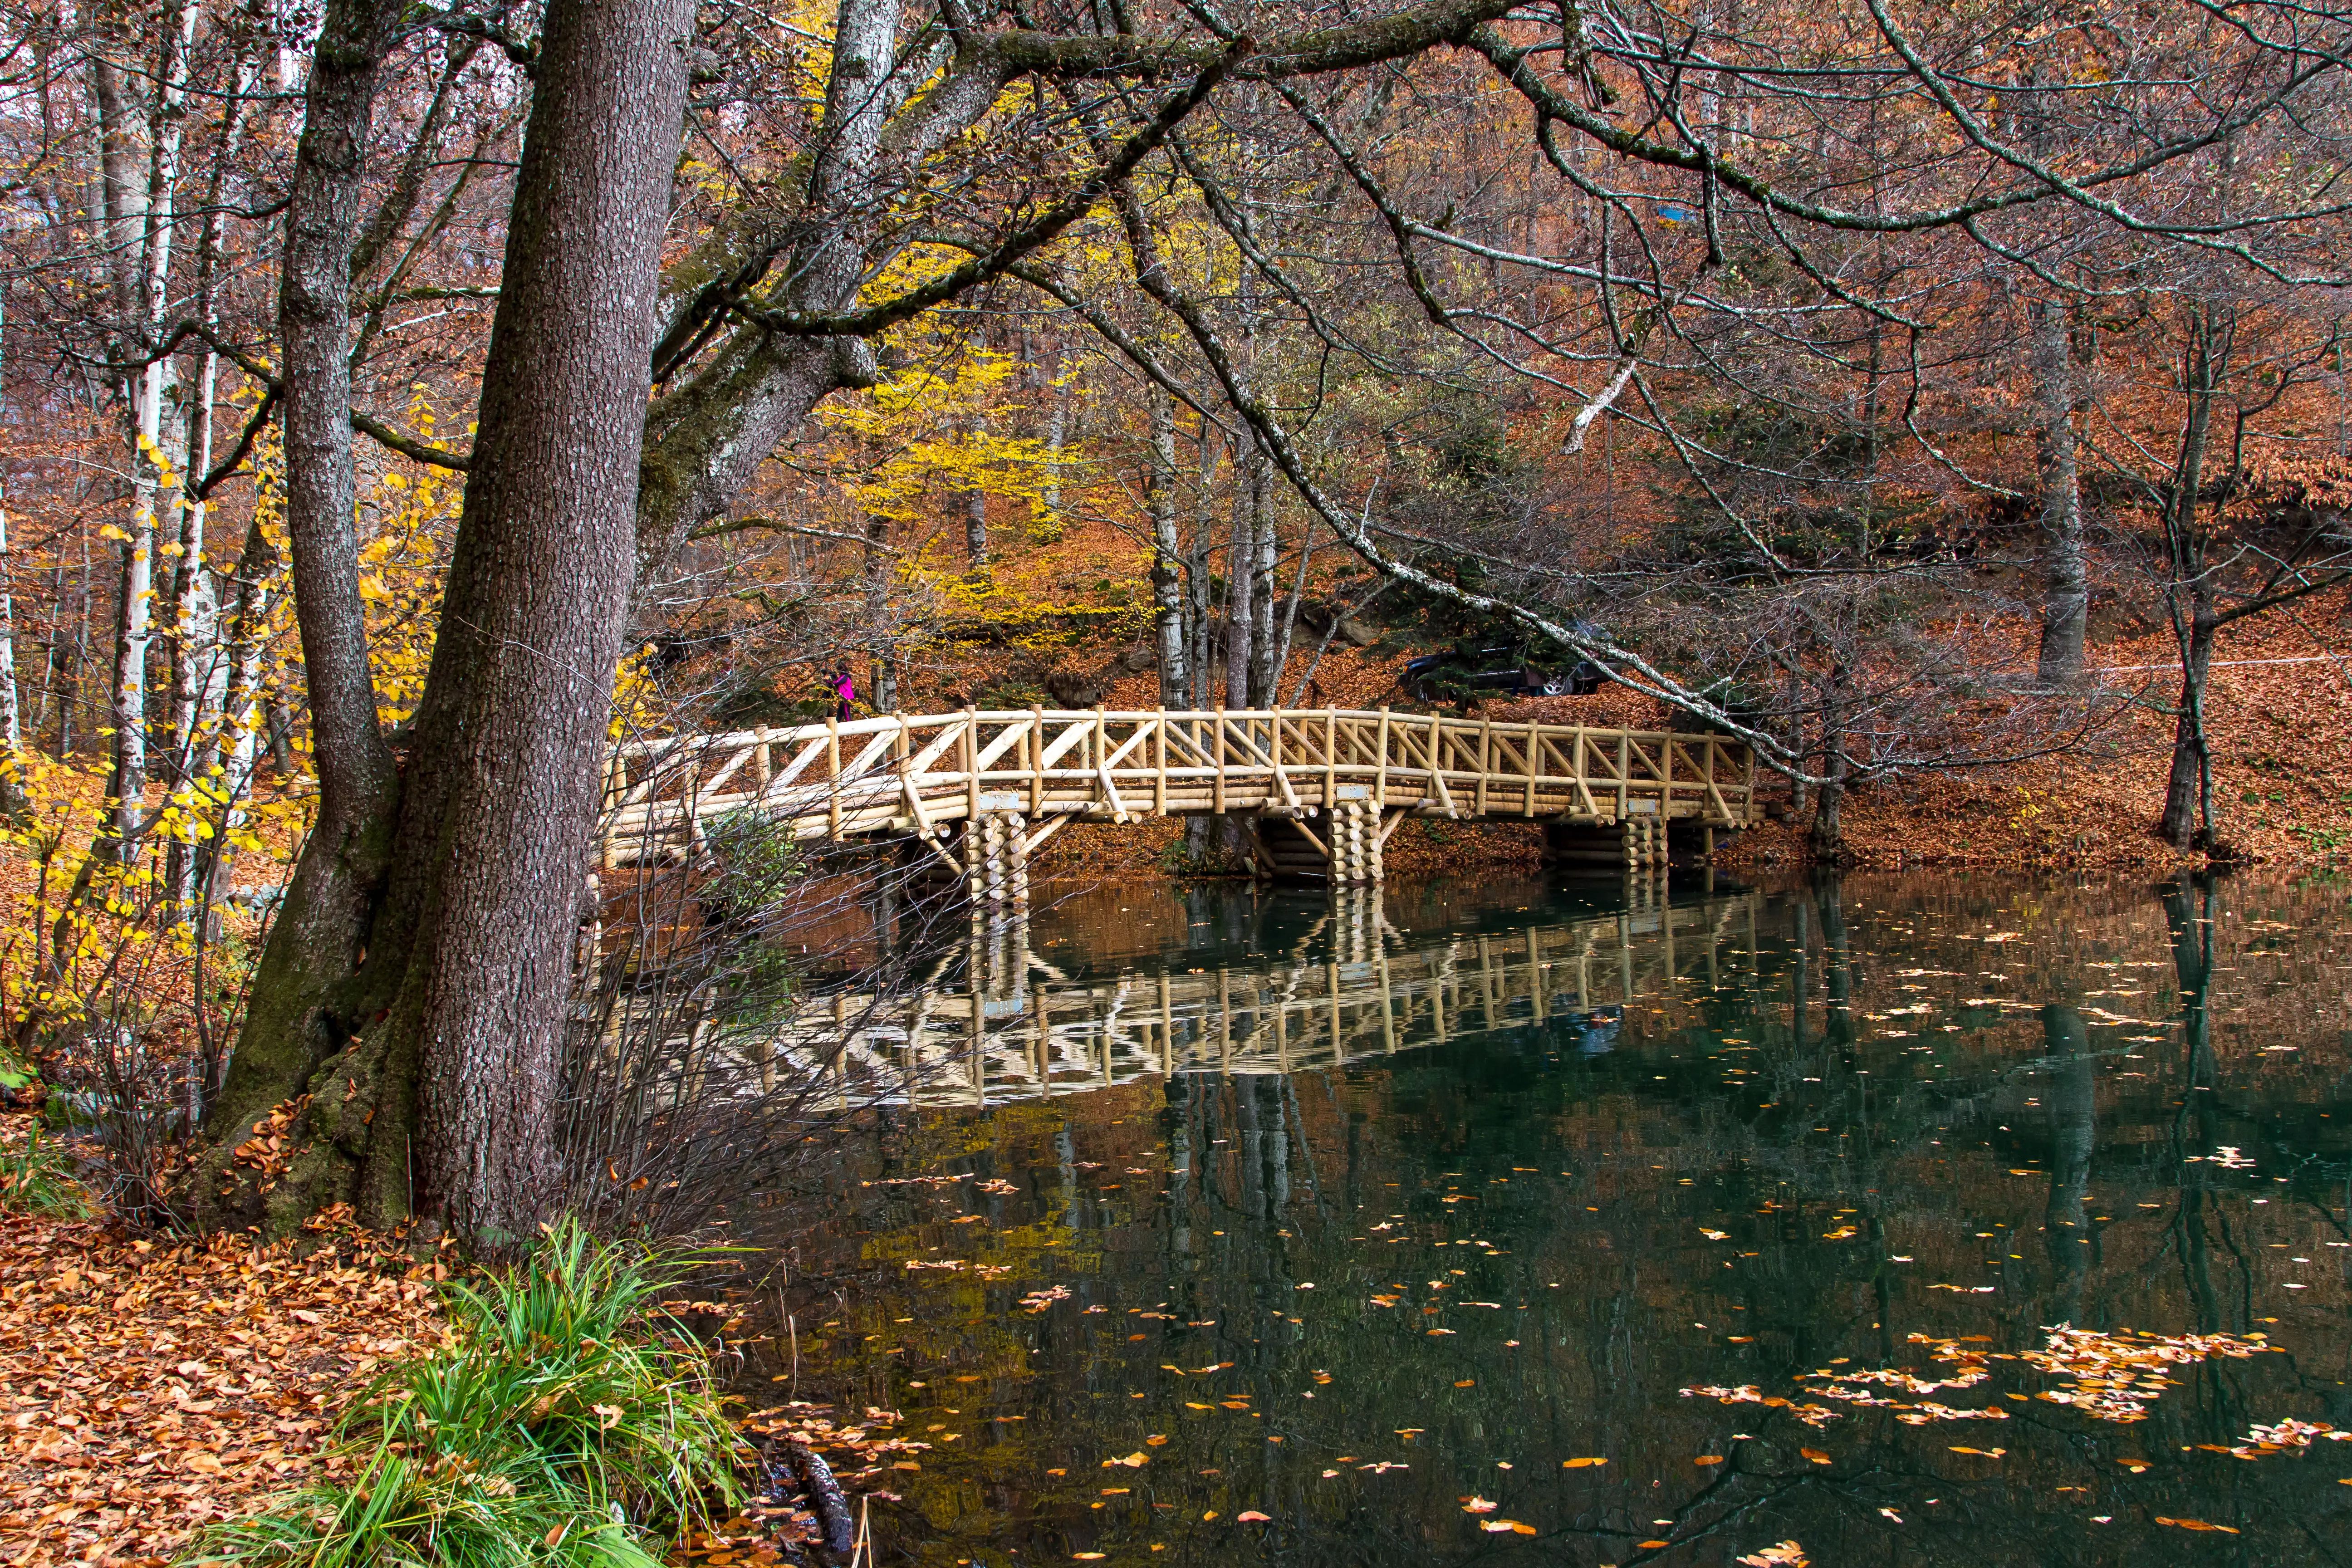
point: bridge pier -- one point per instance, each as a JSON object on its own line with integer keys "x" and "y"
{"x": 1343, "y": 847}
{"x": 996, "y": 858}
{"x": 1635, "y": 844}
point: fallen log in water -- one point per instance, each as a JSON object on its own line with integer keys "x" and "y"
{"x": 790, "y": 1468}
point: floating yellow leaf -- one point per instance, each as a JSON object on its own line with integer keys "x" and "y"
{"x": 2195, "y": 1524}
{"x": 1252, "y": 1516}
{"x": 1580, "y": 1464}
{"x": 1816, "y": 1456}
{"x": 1708, "y": 1459}
{"x": 1479, "y": 1505}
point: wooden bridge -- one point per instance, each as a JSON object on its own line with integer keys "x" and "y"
{"x": 1323, "y": 788}
{"x": 994, "y": 1020}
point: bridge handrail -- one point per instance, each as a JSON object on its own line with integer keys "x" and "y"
{"x": 854, "y": 775}
{"x": 892, "y": 723}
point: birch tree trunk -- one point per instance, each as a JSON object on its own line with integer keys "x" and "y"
{"x": 1266, "y": 544}
{"x": 975, "y": 517}
{"x": 199, "y": 667}
{"x": 150, "y": 213}
{"x": 1197, "y": 607}
{"x": 1241, "y": 581}
{"x": 1167, "y": 561}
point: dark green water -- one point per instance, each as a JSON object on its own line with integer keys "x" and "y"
{"x": 1835, "y": 1131}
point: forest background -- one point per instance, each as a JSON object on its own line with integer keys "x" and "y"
{"x": 1952, "y": 405}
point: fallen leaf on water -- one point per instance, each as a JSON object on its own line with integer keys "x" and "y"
{"x": 1985, "y": 1453}
{"x": 1787, "y": 1554}
{"x": 1157, "y": 1438}
{"x": 1498, "y": 1526}
{"x": 1467, "y": 1383}
{"x": 1086, "y": 1556}
{"x": 1580, "y": 1464}
{"x": 1651, "y": 1546}
{"x": 2195, "y": 1524}
{"x": 1479, "y": 1505}
{"x": 1816, "y": 1456}
{"x": 1252, "y": 1516}
{"x": 1708, "y": 1459}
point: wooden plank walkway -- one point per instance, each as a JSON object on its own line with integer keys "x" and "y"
{"x": 997, "y": 1021}
{"x": 926, "y": 774}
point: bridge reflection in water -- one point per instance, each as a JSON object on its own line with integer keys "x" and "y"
{"x": 995, "y": 1020}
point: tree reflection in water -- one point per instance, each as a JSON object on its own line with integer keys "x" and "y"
{"x": 1889, "y": 1117}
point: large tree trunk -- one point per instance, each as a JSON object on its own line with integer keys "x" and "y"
{"x": 1828, "y": 838}
{"x": 316, "y": 940}
{"x": 500, "y": 794}
{"x": 2187, "y": 805}
{"x": 2188, "y": 596}
{"x": 2065, "y": 593}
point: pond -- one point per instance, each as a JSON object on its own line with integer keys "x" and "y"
{"x": 1962, "y": 1220}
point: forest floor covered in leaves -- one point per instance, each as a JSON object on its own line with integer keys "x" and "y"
{"x": 150, "y": 1387}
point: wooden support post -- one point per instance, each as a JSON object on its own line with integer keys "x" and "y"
{"x": 1535, "y": 763}
{"x": 1485, "y": 761}
{"x": 1275, "y": 786}
{"x": 1380, "y": 794}
{"x": 833, "y": 770}
{"x": 1033, "y": 753}
{"x": 968, "y": 750}
{"x": 1330, "y": 757}
{"x": 1220, "y": 800}
{"x": 1160, "y": 765}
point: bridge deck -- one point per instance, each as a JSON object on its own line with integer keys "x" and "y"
{"x": 908, "y": 772}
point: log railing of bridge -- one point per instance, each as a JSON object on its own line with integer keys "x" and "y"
{"x": 923, "y": 773}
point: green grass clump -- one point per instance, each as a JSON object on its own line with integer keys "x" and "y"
{"x": 39, "y": 1179}
{"x": 568, "y": 1422}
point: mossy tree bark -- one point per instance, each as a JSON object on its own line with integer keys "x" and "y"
{"x": 430, "y": 1044}
{"x": 315, "y": 943}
